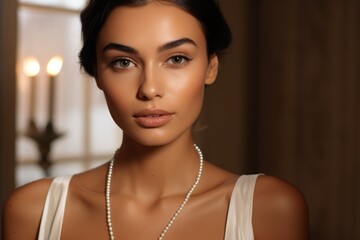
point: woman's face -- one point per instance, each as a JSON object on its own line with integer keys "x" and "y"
{"x": 152, "y": 66}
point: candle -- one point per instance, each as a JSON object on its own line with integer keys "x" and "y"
{"x": 51, "y": 101}
{"x": 53, "y": 68}
{"x": 32, "y": 97}
{"x": 31, "y": 69}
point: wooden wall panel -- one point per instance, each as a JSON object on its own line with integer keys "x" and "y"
{"x": 7, "y": 97}
{"x": 222, "y": 121}
{"x": 296, "y": 111}
{"x": 308, "y": 106}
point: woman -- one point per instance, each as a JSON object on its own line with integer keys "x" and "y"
{"x": 152, "y": 60}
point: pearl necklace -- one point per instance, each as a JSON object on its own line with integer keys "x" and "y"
{"x": 176, "y": 214}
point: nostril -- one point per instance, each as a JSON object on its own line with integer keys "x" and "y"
{"x": 142, "y": 96}
{"x": 147, "y": 92}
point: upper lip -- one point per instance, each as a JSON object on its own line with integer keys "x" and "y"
{"x": 151, "y": 113}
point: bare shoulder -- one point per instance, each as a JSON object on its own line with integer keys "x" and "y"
{"x": 216, "y": 177}
{"x": 280, "y": 210}
{"x": 22, "y": 210}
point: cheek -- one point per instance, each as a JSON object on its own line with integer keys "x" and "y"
{"x": 114, "y": 94}
{"x": 118, "y": 94}
{"x": 118, "y": 88}
{"x": 116, "y": 106}
{"x": 188, "y": 91}
{"x": 190, "y": 83}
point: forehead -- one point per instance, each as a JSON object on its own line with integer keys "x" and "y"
{"x": 154, "y": 23}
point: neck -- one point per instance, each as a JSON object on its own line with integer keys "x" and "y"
{"x": 155, "y": 171}
{"x": 151, "y": 198}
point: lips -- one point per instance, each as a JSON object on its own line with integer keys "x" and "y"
{"x": 153, "y": 118}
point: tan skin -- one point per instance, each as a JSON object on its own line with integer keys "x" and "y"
{"x": 155, "y": 166}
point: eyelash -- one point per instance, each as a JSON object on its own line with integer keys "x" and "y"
{"x": 118, "y": 61}
{"x": 184, "y": 59}
{"x": 130, "y": 63}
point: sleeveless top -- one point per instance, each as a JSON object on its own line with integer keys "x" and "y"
{"x": 238, "y": 223}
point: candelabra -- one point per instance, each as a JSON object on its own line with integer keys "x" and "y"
{"x": 43, "y": 137}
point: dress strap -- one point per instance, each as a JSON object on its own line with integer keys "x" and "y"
{"x": 54, "y": 208}
{"x": 239, "y": 218}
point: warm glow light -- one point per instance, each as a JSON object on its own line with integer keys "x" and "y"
{"x": 54, "y": 66}
{"x": 31, "y": 67}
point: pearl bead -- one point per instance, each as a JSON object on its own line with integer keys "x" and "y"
{"x": 177, "y": 212}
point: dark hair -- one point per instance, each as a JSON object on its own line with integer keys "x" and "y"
{"x": 207, "y": 12}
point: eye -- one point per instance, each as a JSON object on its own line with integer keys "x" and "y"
{"x": 178, "y": 60}
{"x": 122, "y": 63}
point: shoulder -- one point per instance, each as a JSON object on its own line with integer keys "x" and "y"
{"x": 22, "y": 210}
{"x": 219, "y": 179}
{"x": 32, "y": 194}
{"x": 280, "y": 210}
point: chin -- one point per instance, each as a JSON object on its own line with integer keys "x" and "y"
{"x": 149, "y": 143}
{"x": 156, "y": 138}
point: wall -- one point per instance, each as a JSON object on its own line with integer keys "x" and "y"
{"x": 222, "y": 121}
{"x": 289, "y": 104}
{"x": 308, "y": 106}
{"x": 7, "y": 97}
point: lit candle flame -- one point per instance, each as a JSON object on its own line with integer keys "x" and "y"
{"x": 54, "y": 66}
{"x": 31, "y": 67}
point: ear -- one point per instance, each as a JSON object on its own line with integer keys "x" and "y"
{"x": 212, "y": 70}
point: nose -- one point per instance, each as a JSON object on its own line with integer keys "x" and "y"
{"x": 151, "y": 86}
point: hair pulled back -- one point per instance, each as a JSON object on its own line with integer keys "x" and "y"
{"x": 207, "y": 12}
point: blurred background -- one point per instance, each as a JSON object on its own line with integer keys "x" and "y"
{"x": 286, "y": 103}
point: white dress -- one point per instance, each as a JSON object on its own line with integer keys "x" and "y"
{"x": 238, "y": 224}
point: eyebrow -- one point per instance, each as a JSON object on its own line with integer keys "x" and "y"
{"x": 176, "y": 43}
{"x": 162, "y": 48}
{"x": 120, "y": 47}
